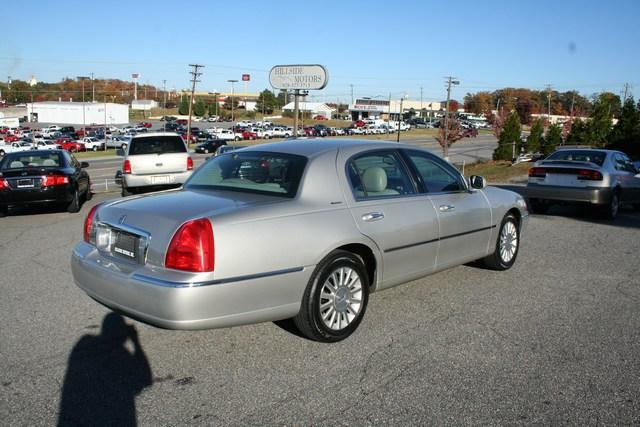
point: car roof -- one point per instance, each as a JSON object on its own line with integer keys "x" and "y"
{"x": 312, "y": 147}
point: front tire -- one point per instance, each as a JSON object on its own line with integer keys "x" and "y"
{"x": 335, "y": 299}
{"x": 507, "y": 245}
{"x": 95, "y": 148}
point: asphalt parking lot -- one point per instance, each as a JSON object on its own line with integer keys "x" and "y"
{"x": 553, "y": 341}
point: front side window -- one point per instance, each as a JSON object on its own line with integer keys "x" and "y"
{"x": 436, "y": 177}
{"x": 252, "y": 172}
{"x": 379, "y": 174}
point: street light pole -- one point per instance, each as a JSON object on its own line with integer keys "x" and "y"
{"x": 84, "y": 122}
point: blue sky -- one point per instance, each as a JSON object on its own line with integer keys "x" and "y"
{"x": 379, "y": 47}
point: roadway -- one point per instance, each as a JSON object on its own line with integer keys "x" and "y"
{"x": 553, "y": 341}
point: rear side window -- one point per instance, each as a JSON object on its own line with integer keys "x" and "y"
{"x": 161, "y": 144}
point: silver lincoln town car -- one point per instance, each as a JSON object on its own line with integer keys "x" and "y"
{"x": 302, "y": 229}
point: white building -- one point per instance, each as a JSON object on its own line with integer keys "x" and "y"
{"x": 312, "y": 108}
{"x": 144, "y": 104}
{"x": 78, "y": 113}
{"x": 381, "y": 108}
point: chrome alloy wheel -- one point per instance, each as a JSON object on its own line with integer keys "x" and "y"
{"x": 508, "y": 241}
{"x": 341, "y": 298}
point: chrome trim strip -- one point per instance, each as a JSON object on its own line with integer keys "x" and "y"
{"x": 411, "y": 245}
{"x": 171, "y": 284}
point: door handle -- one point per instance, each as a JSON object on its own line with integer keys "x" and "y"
{"x": 372, "y": 216}
{"x": 447, "y": 208}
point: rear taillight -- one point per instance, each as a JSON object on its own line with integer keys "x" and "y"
{"x": 189, "y": 163}
{"x": 89, "y": 225}
{"x": 3, "y": 184}
{"x": 589, "y": 175}
{"x": 536, "y": 172}
{"x": 53, "y": 180}
{"x": 192, "y": 247}
{"x": 126, "y": 167}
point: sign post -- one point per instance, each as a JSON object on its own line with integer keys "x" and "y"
{"x": 297, "y": 78}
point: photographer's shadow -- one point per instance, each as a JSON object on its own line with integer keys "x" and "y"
{"x": 103, "y": 377}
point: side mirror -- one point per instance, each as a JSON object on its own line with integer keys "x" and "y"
{"x": 477, "y": 182}
{"x": 84, "y": 165}
{"x": 120, "y": 152}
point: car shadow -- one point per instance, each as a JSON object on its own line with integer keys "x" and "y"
{"x": 103, "y": 377}
{"x": 627, "y": 217}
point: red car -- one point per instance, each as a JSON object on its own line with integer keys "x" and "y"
{"x": 71, "y": 146}
{"x": 11, "y": 138}
{"x": 182, "y": 121}
{"x": 358, "y": 123}
{"x": 145, "y": 125}
{"x": 247, "y": 134}
{"x": 320, "y": 117}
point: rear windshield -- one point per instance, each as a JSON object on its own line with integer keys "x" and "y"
{"x": 157, "y": 145}
{"x": 252, "y": 172}
{"x": 40, "y": 160}
{"x": 596, "y": 157}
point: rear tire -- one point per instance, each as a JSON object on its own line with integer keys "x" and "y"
{"x": 74, "y": 206}
{"x": 610, "y": 210}
{"x": 127, "y": 192}
{"x": 507, "y": 245}
{"x": 538, "y": 206}
{"x": 95, "y": 148}
{"x": 335, "y": 299}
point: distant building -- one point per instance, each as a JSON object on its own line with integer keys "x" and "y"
{"x": 143, "y": 104}
{"x": 367, "y": 108}
{"x": 77, "y": 113}
{"x": 312, "y": 108}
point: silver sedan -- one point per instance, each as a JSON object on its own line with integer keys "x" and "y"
{"x": 302, "y": 229}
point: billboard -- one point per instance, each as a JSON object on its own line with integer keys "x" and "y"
{"x": 246, "y": 77}
{"x": 299, "y": 77}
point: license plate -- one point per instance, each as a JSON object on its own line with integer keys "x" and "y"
{"x": 126, "y": 245}
{"x": 160, "y": 179}
{"x": 25, "y": 183}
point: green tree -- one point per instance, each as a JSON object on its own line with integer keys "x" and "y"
{"x": 199, "y": 108}
{"x": 625, "y": 135}
{"x": 213, "y": 109}
{"x": 267, "y": 102}
{"x": 552, "y": 139}
{"x": 183, "y": 109}
{"x": 600, "y": 122}
{"x": 579, "y": 133}
{"x": 612, "y": 101}
{"x": 536, "y": 137}
{"x": 229, "y": 101}
{"x": 509, "y": 140}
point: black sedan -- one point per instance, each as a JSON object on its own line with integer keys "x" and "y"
{"x": 43, "y": 177}
{"x": 210, "y": 146}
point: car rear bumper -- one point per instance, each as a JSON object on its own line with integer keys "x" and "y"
{"x": 174, "y": 303}
{"x": 156, "y": 179}
{"x": 24, "y": 197}
{"x": 593, "y": 195}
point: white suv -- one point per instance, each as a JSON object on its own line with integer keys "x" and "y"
{"x": 155, "y": 160}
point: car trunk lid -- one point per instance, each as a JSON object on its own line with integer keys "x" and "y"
{"x": 565, "y": 173}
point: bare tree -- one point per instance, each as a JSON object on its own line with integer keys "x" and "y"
{"x": 455, "y": 133}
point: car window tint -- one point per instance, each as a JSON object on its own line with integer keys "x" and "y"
{"x": 253, "y": 172}
{"x": 40, "y": 160}
{"x": 436, "y": 178}
{"x": 379, "y": 174}
{"x": 591, "y": 156}
{"x": 157, "y": 145}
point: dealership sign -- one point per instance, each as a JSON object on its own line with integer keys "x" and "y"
{"x": 299, "y": 77}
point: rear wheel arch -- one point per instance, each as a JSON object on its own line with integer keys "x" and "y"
{"x": 368, "y": 259}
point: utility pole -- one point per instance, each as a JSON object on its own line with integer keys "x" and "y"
{"x": 352, "y": 101}
{"x": 93, "y": 89}
{"x": 445, "y": 147}
{"x": 84, "y": 121}
{"x": 232, "y": 81}
{"x": 164, "y": 96}
{"x": 549, "y": 104}
{"x": 420, "y": 101}
{"x": 627, "y": 86}
{"x": 194, "y": 80}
